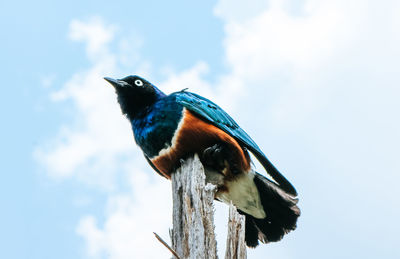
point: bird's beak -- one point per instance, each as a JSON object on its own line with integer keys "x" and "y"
{"x": 115, "y": 82}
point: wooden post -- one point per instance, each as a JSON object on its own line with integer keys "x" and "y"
{"x": 193, "y": 212}
{"x": 235, "y": 245}
{"x": 193, "y": 233}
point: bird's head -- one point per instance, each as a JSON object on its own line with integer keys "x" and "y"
{"x": 134, "y": 94}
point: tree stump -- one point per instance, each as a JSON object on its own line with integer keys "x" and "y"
{"x": 193, "y": 235}
{"x": 193, "y": 212}
{"x": 235, "y": 244}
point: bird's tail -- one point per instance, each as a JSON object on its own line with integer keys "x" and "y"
{"x": 281, "y": 214}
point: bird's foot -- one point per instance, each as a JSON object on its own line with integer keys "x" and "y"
{"x": 214, "y": 157}
{"x": 220, "y": 158}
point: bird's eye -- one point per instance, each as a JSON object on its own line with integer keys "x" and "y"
{"x": 138, "y": 82}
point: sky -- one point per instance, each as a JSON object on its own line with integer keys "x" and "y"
{"x": 315, "y": 83}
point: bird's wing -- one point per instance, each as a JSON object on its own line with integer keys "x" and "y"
{"x": 212, "y": 113}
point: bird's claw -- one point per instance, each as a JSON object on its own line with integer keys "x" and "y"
{"x": 215, "y": 156}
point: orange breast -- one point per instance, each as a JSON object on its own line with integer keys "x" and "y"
{"x": 193, "y": 136}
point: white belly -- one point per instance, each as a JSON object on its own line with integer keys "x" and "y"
{"x": 242, "y": 192}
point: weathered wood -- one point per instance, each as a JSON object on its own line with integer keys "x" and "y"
{"x": 193, "y": 212}
{"x": 235, "y": 244}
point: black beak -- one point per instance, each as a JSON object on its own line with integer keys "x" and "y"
{"x": 115, "y": 82}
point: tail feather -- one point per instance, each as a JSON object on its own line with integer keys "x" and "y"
{"x": 281, "y": 214}
{"x": 251, "y": 231}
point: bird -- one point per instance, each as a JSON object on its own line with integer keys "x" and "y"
{"x": 169, "y": 128}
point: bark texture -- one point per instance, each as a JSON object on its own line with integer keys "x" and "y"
{"x": 193, "y": 233}
{"x": 193, "y": 212}
{"x": 235, "y": 244}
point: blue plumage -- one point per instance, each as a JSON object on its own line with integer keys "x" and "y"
{"x": 171, "y": 127}
{"x": 218, "y": 117}
{"x": 154, "y": 128}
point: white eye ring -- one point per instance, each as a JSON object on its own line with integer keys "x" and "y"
{"x": 138, "y": 82}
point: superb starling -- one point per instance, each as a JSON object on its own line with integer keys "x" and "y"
{"x": 172, "y": 127}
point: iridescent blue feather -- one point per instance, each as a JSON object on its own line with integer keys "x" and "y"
{"x": 211, "y": 112}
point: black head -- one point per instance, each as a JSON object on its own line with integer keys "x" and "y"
{"x": 135, "y": 94}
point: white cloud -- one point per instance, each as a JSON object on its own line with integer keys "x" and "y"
{"x": 131, "y": 219}
{"x": 95, "y": 33}
{"x": 98, "y": 136}
{"x": 289, "y": 58}
{"x": 323, "y": 83}
{"x": 90, "y": 147}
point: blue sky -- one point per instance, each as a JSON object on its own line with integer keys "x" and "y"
{"x": 315, "y": 83}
